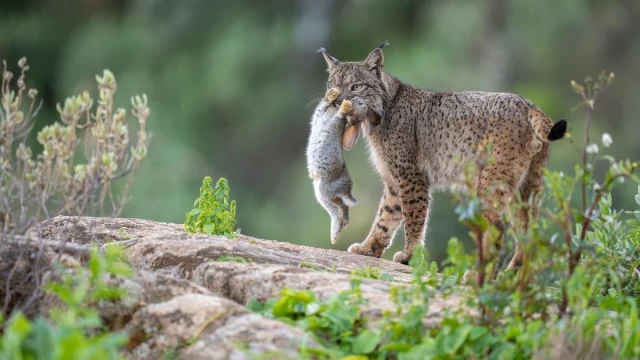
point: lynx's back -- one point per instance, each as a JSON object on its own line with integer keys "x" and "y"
{"x": 446, "y": 126}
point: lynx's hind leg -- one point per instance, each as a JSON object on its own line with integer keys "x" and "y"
{"x": 498, "y": 184}
{"x": 529, "y": 193}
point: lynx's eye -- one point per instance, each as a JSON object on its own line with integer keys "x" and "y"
{"x": 357, "y": 87}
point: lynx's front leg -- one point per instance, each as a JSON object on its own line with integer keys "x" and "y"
{"x": 415, "y": 198}
{"x": 384, "y": 226}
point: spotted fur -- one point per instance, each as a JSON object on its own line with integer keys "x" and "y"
{"x": 415, "y": 136}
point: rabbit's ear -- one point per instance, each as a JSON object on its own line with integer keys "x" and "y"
{"x": 350, "y": 137}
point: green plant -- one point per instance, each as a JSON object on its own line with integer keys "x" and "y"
{"x": 214, "y": 214}
{"x": 75, "y": 330}
{"x": 307, "y": 265}
{"x": 233, "y": 258}
{"x": 336, "y": 323}
{"x": 58, "y": 180}
{"x": 372, "y": 273}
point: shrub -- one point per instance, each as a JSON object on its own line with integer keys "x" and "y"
{"x": 74, "y": 331}
{"x": 82, "y": 154}
{"x": 214, "y": 214}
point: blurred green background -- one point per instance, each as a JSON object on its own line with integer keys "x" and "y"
{"x": 228, "y": 83}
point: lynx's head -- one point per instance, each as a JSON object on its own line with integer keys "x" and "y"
{"x": 361, "y": 81}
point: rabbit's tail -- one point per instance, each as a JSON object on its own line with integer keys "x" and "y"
{"x": 349, "y": 200}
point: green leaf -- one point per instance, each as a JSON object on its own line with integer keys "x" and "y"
{"x": 633, "y": 223}
{"x": 366, "y": 342}
{"x": 209, "y": 228}
{"x": 282, "y": 308}
{"x": 396, "y": 346}
{"x": 426, "y": 350}
{"x": 453, "y": 341}
{"x": 312, "y": 308}
{"x": 19, "y": 326}
{"x": 476, "y": 332}
{"x": 505, "y": 351}
{"x": 42, "y": 339}
{"x": 94, "y": 262}
{"x": 255, "y": 305}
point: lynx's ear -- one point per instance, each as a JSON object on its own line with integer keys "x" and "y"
{"x": 375, "y": 60}
{"x": 331, "y": 61}
{"x": 350, "y": 136}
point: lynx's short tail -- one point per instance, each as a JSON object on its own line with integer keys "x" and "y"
{"x": 545, "y": 128}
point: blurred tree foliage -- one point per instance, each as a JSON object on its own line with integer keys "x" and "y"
{"x": 228, "y": 82}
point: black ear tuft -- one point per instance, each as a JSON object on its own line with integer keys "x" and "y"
{"x": 558, "y": 130}
{"x": 386, "y": 43}
{"x": 331, "y": 61}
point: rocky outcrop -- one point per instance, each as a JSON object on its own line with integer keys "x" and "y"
{"x": 201, "y": 326}
{"x": 185, "y": 300}
{"x": 154, "y": 245}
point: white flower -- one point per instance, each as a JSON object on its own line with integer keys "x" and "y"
{"x": 615, "y": 168}
{"x": 606, "y": 140}
{"x": 592, "y": 149}
{"x": 596, "y": 186}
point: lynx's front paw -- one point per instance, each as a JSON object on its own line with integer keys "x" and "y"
{"x": 346, "y": 107}
{"x": 358, "y": 249}
{"x": 331, "y": 95}
{"x": 402, "y": 257}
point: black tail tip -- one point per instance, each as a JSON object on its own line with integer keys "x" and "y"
{"x": 558, "y": 130}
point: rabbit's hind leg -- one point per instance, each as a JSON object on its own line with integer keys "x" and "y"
{"x": 337, "y": 221}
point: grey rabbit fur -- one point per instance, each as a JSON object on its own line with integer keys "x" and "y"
{"x": 331, "y": 180}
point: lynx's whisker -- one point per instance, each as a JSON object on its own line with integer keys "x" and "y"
{"x": 313, "y": 101}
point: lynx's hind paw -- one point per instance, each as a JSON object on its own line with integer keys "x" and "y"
{"x": 331, "y": 95}
{"x": 346, "y": 107}
{"x": 402, "y": 257}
